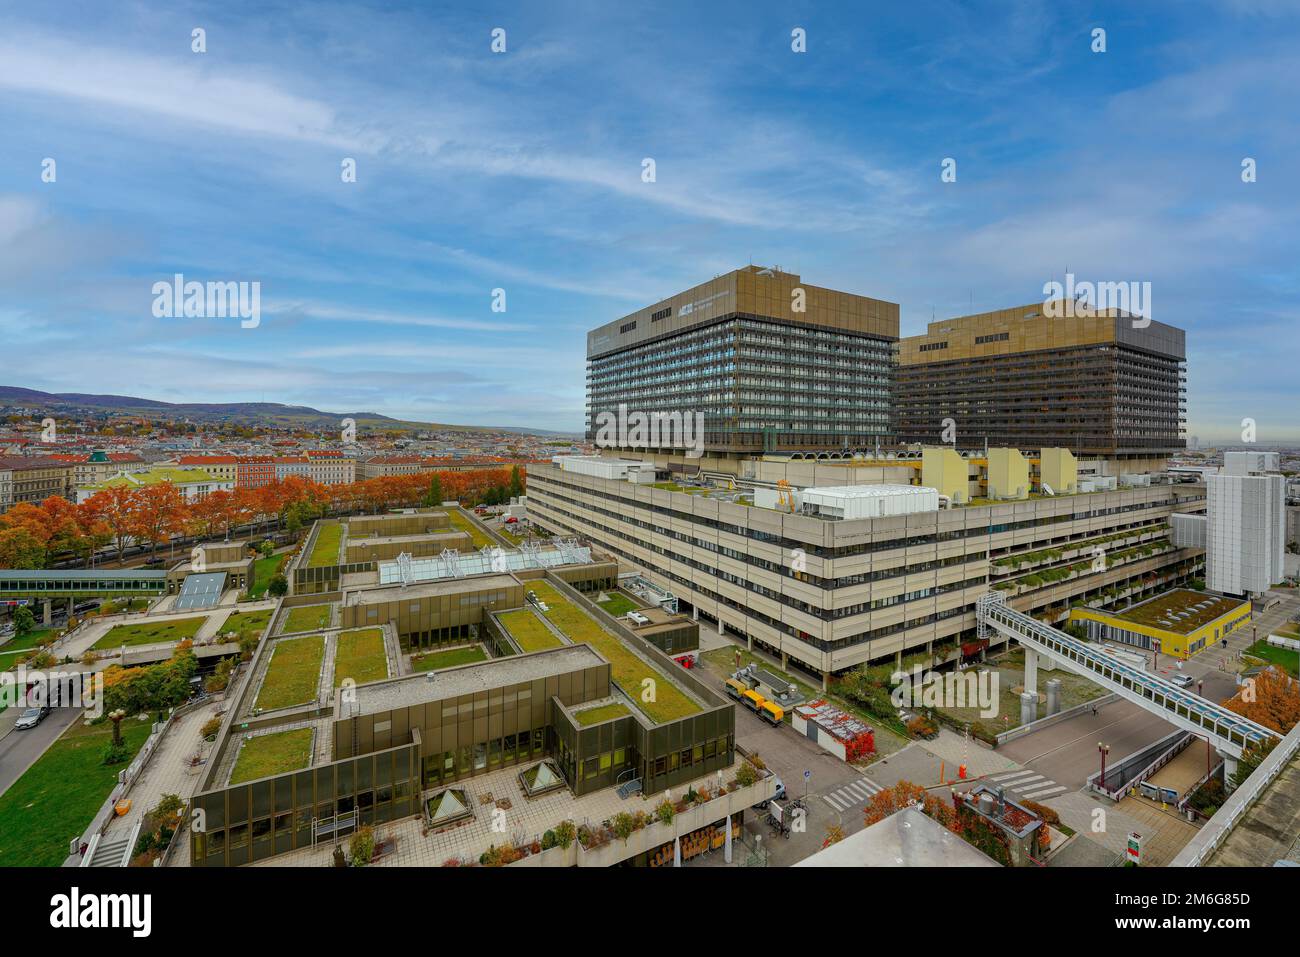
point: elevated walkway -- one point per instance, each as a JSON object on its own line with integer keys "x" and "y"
{"x": 1228, "y": 731}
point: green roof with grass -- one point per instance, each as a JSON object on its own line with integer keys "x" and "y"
{"x": 628, "y": 669}
{"x": 600, "y": 713}
{"x": 462, "y": 522}
{"x": 150, "y": 633}
{"x": 325, "y": 550}
{"x": 527, "y": 631}
{"x": 250, "y": 623}
{"x": 437, "y": 660}
{"x": 360, "y": 655}
{"x": 293, "y": 675}
{"x": 306, "y": 618}
{"x": 264, "y": 755}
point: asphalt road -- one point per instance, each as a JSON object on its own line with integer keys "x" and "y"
{"x": 20, "y": 749}
{"x": 1067, "y": 752}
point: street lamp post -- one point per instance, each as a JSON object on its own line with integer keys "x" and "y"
{"x": 1103, "y": 749}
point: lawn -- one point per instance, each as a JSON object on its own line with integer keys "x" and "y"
{"x": 618, "y": 604}
{"x": 626, "y": 668}
{"x": 150, "y": 633}
{"x": 293, "y": 675}
{"x": 530, "y": 633}
{"x": 59, "y": 794}
{"x": 266, "y": 754}
{"x": 264, "y": 569}
{"x": 462, "y": 522}
{"x": 326, "y": 549}
{"x": 448, "y": 659}
{"x": 26, "y": 643}
{"x": 360, "y": 656}
{"x": 248, "y": 622}
{"x": 602, "y": 713}
{"x": 1283, "y": 657}
{"x": 306, "y": 618}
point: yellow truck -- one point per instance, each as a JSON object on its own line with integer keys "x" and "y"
{"x": 734, "y": 688}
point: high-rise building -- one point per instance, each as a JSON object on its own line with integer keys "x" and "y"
{"x": 1109, "y": 385}
{"x": 772, "y": 363}
{"x": 1246, "y": 524}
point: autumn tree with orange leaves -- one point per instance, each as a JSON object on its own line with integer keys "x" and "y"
{"x": 1270, "y": 698}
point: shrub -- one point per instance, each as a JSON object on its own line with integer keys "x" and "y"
{"x": 624, "y": 825}
{"x": 549, "y": 840}
{"x": 665, "y": 811}
{"x": 278, "y": 587}
{"x": 565, "y": 832}
{"x": 210, "y": 728}
{"x": 89, "y": 658}
{"x": 362, "y": 846}
{"x": 116, "y": 753}
{"x": 745, "y": 775}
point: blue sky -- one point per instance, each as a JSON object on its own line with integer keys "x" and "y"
{"x": 522, "y": 171}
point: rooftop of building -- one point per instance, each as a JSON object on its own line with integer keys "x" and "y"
{"x": 154, "y": 476}
{"x": 907, "y": 838}
{"x": 1180, "y": 611}
{"x": 387, "y": 592}
{"x": 410, "y": 690}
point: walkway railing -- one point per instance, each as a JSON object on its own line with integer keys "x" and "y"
{"x": 1228, "y": 730}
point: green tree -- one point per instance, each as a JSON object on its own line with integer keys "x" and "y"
{"x": 516, "y": 482}
{"x": 434, "y": 495}
{"x": 24, "y": 621}
{"x": 278, "y": 586}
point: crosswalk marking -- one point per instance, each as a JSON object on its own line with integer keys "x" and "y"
{"x": 1011, "y": 776}
{"x": 1046, "y": 791}
{"x": 1037, "y": 781}
{"x": 829, "y": 800}
{"x": 852, "y": 794}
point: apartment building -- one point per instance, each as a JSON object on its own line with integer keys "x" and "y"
{"x": 1246, "y": 524}
{"x": 193, "y": 484}
{"x": 33, "y": 479}
{"x": 381, "y": 466}
{"x": 771, "y": 362}
{"x": 224, "y": 468}
{"x": 91, "y": 467}
{"x": 1110, "y": 384}
{"x": 827, "y": 593}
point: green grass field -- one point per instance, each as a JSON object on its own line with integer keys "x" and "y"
{"x": 149, "y": 633}
{"x": 530, "y": 633}
{"x": 248, "y": 622}
{"x": 1283, "y": 657}
{"x": 448, "y": 659}
{"x": 306, "y": 618}
{"x": 59, "y": 794}
{"x": 264, "y": 569}
{"x": 626, "y": 668}
{"x": 293, "y": 675}
{"x": 618, "y": 604}
{"x": 326, "y": 549}
{"x": 267, "y": 754}
{"x": 360, "y": 656}
{"x": 602, "y": 713}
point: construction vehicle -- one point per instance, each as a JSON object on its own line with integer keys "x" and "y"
{"x": 734, "y": 688}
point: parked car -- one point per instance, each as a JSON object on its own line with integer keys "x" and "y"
{"x": 30, "y": 718}
{"x": 1183, "y": 681}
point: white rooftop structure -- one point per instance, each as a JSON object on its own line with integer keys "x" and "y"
{"x": 599, "y": 466}
{"x": 451, "y": 564}
{"x": 868, "y": 501}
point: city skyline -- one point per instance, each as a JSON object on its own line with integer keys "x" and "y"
{"x": 478, "y": 171}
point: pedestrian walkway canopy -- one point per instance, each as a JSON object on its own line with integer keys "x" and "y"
{"x": 74, "y": 583}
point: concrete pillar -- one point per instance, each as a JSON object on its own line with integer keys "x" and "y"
{"x": 1229, "y": 769}
{"x": 677, "y": 852}
{"x": 695, "y": 612}
{"x": 749, "y": 641}
{"x": 898, "y": 660}
{"x": 45, "y": 613}
{"x": 722, "y": 628}
{"x": 72, "y": 603}
{"x": 1028, "y": 708}
{"x": 826, "y": 685}
{"x": 1053, "y": 696}
{"x": 1031, "y": 673}
{"x": 785, "y": 661}
{"x": 726, "y": 848}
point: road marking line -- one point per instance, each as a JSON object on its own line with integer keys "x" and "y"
{"x": 858, "y": 791}
{"x": 871, "y": 786}
{"x": 1014, "y": 774}
{"x": 1046, "y": 791}
{"x": 1037, "y": 781}
{"x": 827, "y": 799}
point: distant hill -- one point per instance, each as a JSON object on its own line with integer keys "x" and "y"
{"x": 243, "y": 413}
